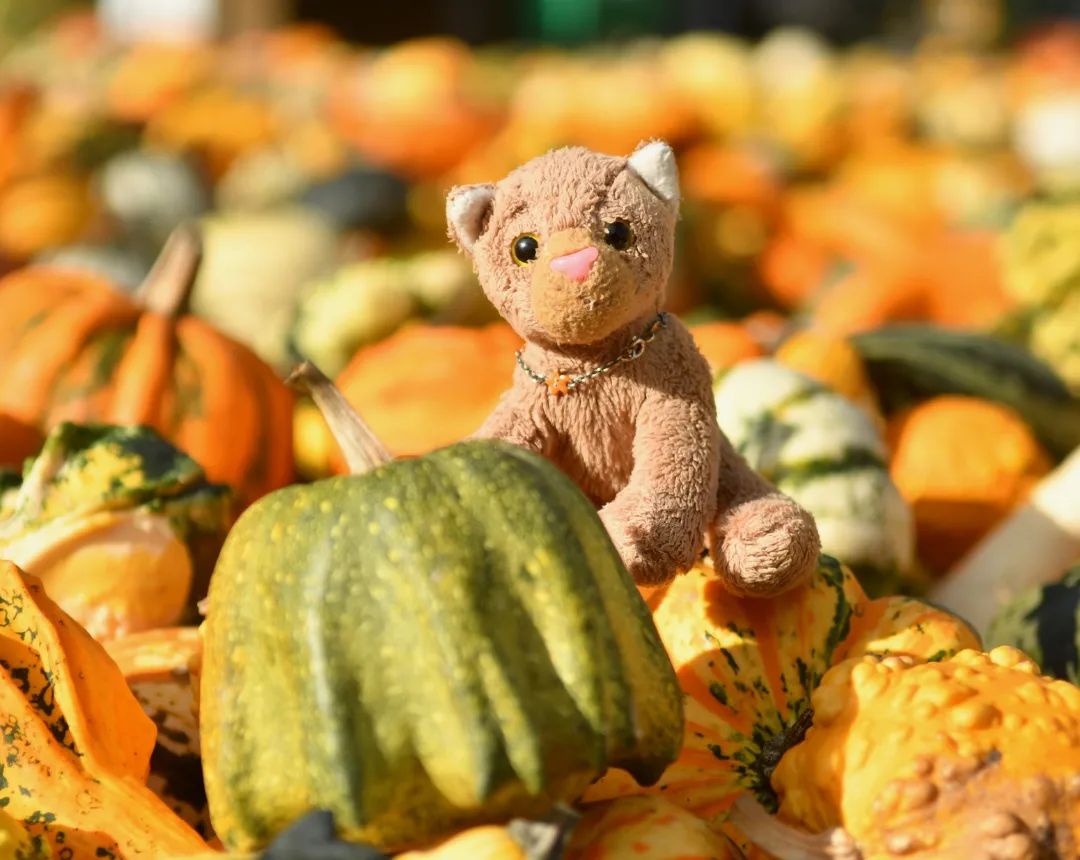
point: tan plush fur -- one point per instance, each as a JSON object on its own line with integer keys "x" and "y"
{"x": 642, "y": 440}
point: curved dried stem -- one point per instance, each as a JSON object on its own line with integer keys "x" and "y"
{"x": 787, "y": 843}
{"x": 362, "y": 449}
{"x": 167, "y": 287}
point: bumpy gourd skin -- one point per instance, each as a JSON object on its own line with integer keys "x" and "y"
{"x": 974, "y": 757}
{"x": 748, "y": 668}
{"x": 440, "y": 642}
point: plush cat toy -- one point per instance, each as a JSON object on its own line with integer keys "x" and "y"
{"x": 575, "y": 249}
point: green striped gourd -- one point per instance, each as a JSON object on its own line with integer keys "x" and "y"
{"x": 437, "y": 642}
{"x": 826, "y": 453}
{"x": 1044, "y": 623}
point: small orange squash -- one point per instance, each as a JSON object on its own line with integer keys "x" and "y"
{"x": 962, "y": 463}
{"x": 42, "y": 212}
{"x": 724, "y": 344}
{"x": 77, "y": 743}
{"x": 428, "y": 386}
{"x": 149, "y": 77}
{"x": 834, "y": 362}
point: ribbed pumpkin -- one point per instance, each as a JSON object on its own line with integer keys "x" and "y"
{"x": 160, "y": 669}
{"x": 464, "y": 640}
{"x": 72, "y": 348}
{"x": 827, "y": 454}
{"x": 748, "y": 668}
{"x": 117, "y": 524}
{"x": 974, "y": 756}
{"x": 77, "y": 745}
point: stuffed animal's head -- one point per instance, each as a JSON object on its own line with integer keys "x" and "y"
{"x": 573, "y": 245}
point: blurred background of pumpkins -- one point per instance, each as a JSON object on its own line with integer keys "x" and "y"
{"x": 845, "y": 165}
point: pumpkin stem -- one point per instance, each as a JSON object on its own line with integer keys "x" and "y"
{"x": 167, "y": 287}
{"x": 787, "y": 843}
{"x": 358, "y": 443}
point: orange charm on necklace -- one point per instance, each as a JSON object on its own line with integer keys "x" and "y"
{"x": 558, "y": 383}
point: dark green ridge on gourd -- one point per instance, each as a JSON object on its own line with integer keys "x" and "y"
{"x": 436, "y": 643}
{"x": 1044, "y": 623}
{"x": 911, "y": 362}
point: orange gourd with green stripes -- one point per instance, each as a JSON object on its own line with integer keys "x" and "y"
{"x": 73, "y": 348}
{"x": 748, "y": 667}
{"x": 77, "y": 745}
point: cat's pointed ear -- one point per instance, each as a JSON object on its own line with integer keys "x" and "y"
{"x": 467, "y": 210}
{"x": 654, "y": 164}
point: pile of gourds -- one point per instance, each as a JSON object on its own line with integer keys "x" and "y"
{"x": 231, "y": 621}
{"x": 851, "y": 188}
{"x": 445, "y": 655}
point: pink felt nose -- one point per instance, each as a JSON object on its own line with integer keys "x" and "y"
{"x": 576, "y": 265}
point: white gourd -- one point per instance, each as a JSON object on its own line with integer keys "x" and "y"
{"x": 825, "y": 452}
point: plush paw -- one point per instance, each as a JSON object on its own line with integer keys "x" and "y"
{"x": 647, "y": 557}
{"x": 765, "y": 546}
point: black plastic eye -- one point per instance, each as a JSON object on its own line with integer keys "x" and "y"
{"x": 618, "y": 235}
{"x": 524, "y": 249}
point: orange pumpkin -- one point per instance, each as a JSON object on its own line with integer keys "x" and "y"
{"x": 150, "y": 77}
{"x": 790, "y": 269}
{"x": 748, "y": 668}
{"x": 77, "y": 745}
{"x": 17, "y": 441}
{"x": 724, "y": 344}
{"x": 428, "y": 386}
{"x": 217, "y": 123}
{"x": 41, "y": 212}
{"x": 74, "y": 348}
{"x": 962, "y": 463}
{"x": 413, "y": 107}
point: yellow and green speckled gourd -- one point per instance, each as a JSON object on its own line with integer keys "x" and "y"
{"x": 749, "y": 669}
{"x": 439, "y": 642}
{"x": 976, "y": 756}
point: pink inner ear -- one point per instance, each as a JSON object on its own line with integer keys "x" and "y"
{"x": 576, "y": 265}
